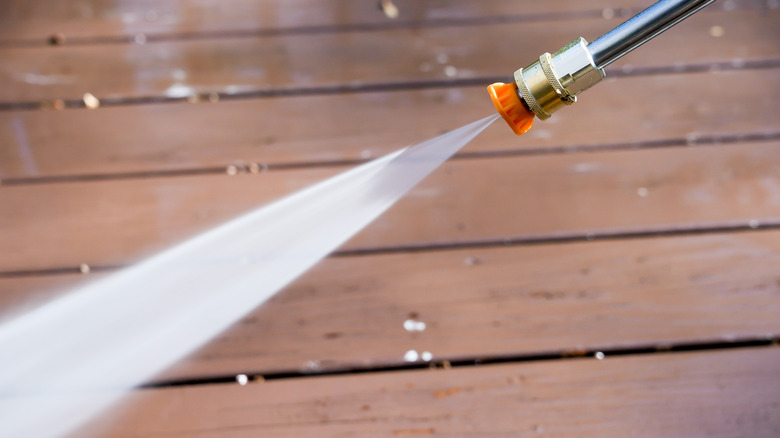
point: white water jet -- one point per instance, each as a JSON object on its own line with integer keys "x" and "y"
{"x": 68, "y": 360}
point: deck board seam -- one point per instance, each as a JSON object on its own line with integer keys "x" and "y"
{"x": 697, "y": 141}
{"x": 588, "y": 353}
{"x": 736, "y": 64}
{"x": 580, "y": 236}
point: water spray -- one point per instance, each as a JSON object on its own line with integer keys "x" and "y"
{"x": 555, "y": 80}
{"x": 70, "y": 359}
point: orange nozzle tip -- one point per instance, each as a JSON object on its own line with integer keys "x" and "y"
{"x": 511, "y": 108}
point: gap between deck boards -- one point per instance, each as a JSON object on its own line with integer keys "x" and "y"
{"x": 754, "y": 225}
{"x": 698, "y": 141}
{"x": 767, "y": 341}
{"x": 697, "y": 67}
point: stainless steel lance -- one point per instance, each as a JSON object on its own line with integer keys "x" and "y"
{"x": 555, "y": 80}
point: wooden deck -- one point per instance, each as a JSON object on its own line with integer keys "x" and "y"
{"x": 615, "y": 272}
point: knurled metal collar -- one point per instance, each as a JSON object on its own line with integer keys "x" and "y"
{"x": 546, "y": 62}
{"x": 529, "y": 98}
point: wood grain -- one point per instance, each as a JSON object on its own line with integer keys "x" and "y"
{"x": 716, "y": 394}
{"x": 116, "y": 222}
{"x": 98, "y": 20}
{"x": 235, "y": 65}
{"x": 350, "y": 312}
{"x": 353, "y": 126}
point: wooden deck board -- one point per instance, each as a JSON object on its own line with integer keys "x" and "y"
{"x": 714, "y": 394}
{"x": 236, "y": 65}
{"x": 108, "y": 223}
{"x": 314, "y": 129}
{"x": 493, "y": 301}
{"x": 24, "y": 21}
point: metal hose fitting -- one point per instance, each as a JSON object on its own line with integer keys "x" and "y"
{"x": 555, "y": 80}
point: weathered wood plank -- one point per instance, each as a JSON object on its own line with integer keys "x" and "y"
{"x": 351, "y": 127}
{"x": 84, "y": 19}
{"x": 115, "y": 222}
{"x": 714, "y": 394}
{"x": 182, "y": 68}
{"x": 350, "y": 312}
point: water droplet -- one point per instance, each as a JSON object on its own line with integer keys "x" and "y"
{"x": 312, "y": 365}
{"x": 231, "y": 170}
{"x": 90, "y": 101}
{"x": 608, "y": 13}
{"x": 599, "y": 355}
{"x": 627, "y": 69}
{"x": 213, "y": 97}
{"x": 590, "y": 236}
{"x": 389, "y": 8}
{"x": 729, "y": 5}
{"x": 84, "y": 268}
{"x": 753, "y": 224}
{"x": 717, "y": 31}
{"x": 411, "y": 325}
{"x": 411, "y": 356}
{"x": 139, "y": 38}
{"x": 366, "y": 154}
{"x": 450, "y": 71}
{"x": 442, "y": 58}
{"x": 177, "y": 91}
{"x": 242, "y": 379}
{"x": 642, "y": 191}
{"x": 427, "y": 356}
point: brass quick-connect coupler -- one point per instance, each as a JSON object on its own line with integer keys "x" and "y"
{"x": 555, "y": 80}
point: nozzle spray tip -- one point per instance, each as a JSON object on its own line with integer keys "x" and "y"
{"x": 508, "y": 104}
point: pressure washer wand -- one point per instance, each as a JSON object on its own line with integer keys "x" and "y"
{"x": 554, "y": 81}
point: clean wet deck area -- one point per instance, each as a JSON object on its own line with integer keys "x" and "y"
{"x": 614, "y": 272}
